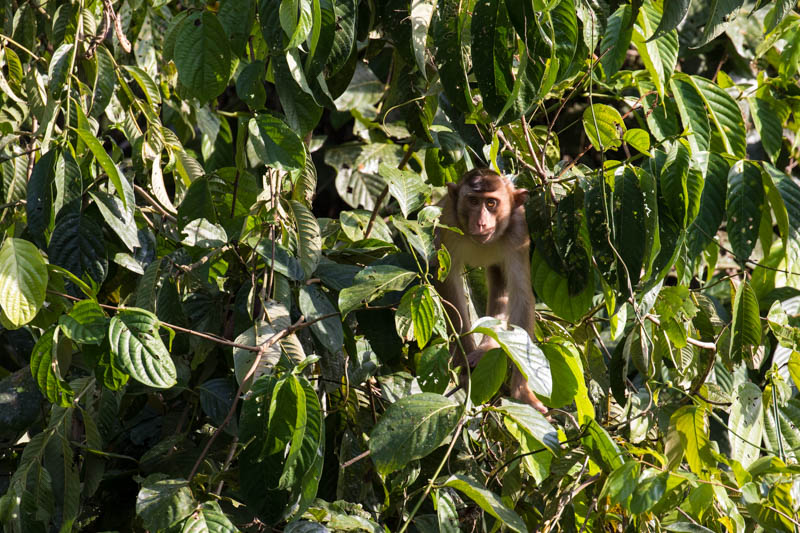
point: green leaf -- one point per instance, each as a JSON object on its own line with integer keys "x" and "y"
{"x": 674, "y": 176}
{"x": 250, "y": 85}
{"x": 433, "y": 369}
{"x": 621, "y": 483}
{"x": 488, "y": 501}
{"x": 693, "y": 112}
{"x": 275, "y": 143}
{"x": 712, "y": 204}
{"x": 86, "y": 323}
{"x": 652, "y": 484}
{"x": 722, "y": 13}
{"x": 674, "y": 12}
{"x": 134, "y": 339}
{"x": 768, "y": 125}
{"x": 616, "y": 40}
{"x": 492, "y": 58}
{"x": 106, "y": 163}
{"x": 23, "y": 281}
{"x": 46, "y": 371}
{"x": 284, "y": 263}
{"x": 202, "y": 55}
{"x": 638, "y": 138}
{"x": 566, "y": 369}
{"x": 533, "y": 423}
{"x": 421, "y": 13}
{"x": 118, "y": 218}
{"x": 216, "y": 398}
{"x": 744, "y": 204}
{"x": 488, "y": 376}
{"x": 410, "y": 429}
{"x": 517, "y": 344}
{"x": 39, "y": 201}
{"x": 450, "y": 54}
{"x": 746, "y": 424}
{"x": 601, "y": 123}
{"x": 314, "y": 303}
{"x": 724, "y": 114}
{"x": 406, "y": 187}
{"x": 371, "y": 283}
{"x": 209, "y": 519}
{"x": 602, "y": 447}
{"x": 629, "y": 227}
{"x": 746, "y": 327}
{"x": 309, "y": 242}
{"x": 689, "y": 423}
{"x": 162, "y": 501}
{"x": 417, "y": 309}
{"x": 203, "y": 234}
{"x": 243, "y": 359}
{"x": 148, "y": 85}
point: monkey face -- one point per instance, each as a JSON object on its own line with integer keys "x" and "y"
{"x": 484, "y": 216}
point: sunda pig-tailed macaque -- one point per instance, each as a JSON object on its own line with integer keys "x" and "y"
{"x": 490, "y": 211}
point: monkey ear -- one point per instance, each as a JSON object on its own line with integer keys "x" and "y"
{"x": 520, "y": 197}
{"x": 452, "y": 190}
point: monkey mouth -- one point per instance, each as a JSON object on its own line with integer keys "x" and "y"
{"x": 482, "y": 238}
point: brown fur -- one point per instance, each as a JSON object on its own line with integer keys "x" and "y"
{"x": 490, "y": 211}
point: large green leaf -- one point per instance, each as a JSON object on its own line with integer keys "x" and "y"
{"x": 746, "y": 327}
{"x": 492, "y": 38}
{"x": 39, "y": 202}
{"x": 23, "y": 280}
{"x": 406, "y": 187}
{"x": 107, "y": 164}
{"x": 488, "y": 501}
{"x": 744, "y": 204}
{"x": 746, "y": 424}
{"x": 416, "y": 315}
{"x": 86, "y": 323}
{"x": 488, "y": 376}
{"x": 629, "y": 227}
{"x": 314, "y": 303}
{"x": 243, "y": 359}
{"x": 616, "y": 40}
{"x": 309, "y": 242}
{"x": 134, "y": 339}
{"x": 768, "y": 125}
{"x": 517, "y": 344}
{"x": 688, "y": 425}
{"x": 411, "y": 428}
{"x": 449, "y": 54}
{"x": 533, "y": 423}
{"x": 712, "y": 204}
{"x": 554, "y": 289}
{"x": 724, "y": 114}
{"x": 275, "y": 143}
{"x": 693, "y": 112}
{"x": 202, "y": 55}
{"x": 721, "y": 14}
{"x": 162, "y": 501}
{"x": 371, "y": 283}
{"x": 46, "y": 370}
{"x": 674, "y": 12}
{"x": 118, "y": 218}
{"x": 602, "y": 124}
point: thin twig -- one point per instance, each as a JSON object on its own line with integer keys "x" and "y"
{"x": 150, "y": 200}
{"x": 695, "y": 342}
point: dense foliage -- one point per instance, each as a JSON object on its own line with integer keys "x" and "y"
{"x": 217, "y": 265}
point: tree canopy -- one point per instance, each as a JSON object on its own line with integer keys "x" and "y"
{"x": 217, "y": 265}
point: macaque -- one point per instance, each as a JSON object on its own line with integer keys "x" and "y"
{"x": 490, "y": 211}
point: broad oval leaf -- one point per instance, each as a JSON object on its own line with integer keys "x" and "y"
{"x": 488, "y": 376}
{"x": 746, "y": 328}
{"x": 23, "y": 280}
{"x": 162, "y": 502}
{"x": 371, "y": 283}
{"x": 275, "y": 143}
{"x": 492, "y": 38}
{"x": 134, "y": 339}
{"x": 746, "y": 424}
{"x": 243, "y": 359}
{"x": 554, "y": 289}
{"x": 46, "y": 371}
{"x": 517, "y": 344}
{"x": 533, "y": 423}
{"x": 418, "y": 310}
{"x": 745, "y": 201}
{"x": 411, "y": 428}
{"x": 768, "y": 125}
{"x": 77, "y": 245}
{"x": 406, "y": 187}
{"x": 724, "y": 114}
{"x": 86, "y": 323}
{"x": 693, "y": 112}
{"x": 202, "y": 55}
{"x": 314, "y": 303}
{"x": 309, "y": 242}
{"x": 602, "y": 124}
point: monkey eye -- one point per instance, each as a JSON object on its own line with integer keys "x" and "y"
{"x": 473, "y": 201}
{"x": 491, "y": 203}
